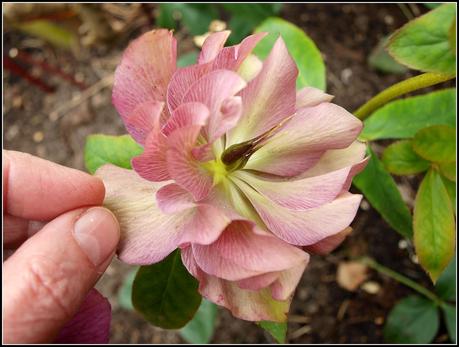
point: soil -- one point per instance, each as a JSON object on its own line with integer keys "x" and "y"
{"x": 322, "y": 312}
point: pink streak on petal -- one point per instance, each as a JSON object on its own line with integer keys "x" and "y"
{"x": 212, "y": 46}
{"x": 143, "y": 75}
{"x": 173, "y": 198}
{"x": 309, "y": 96}
{"x": 91, "y": 324}
{"x": 328, "y": 244}
{"x": 192, "y": 113}
{"x": 258, "y": 282}
{"x": 269, "y": 97}
{"x": 143, "y": 120}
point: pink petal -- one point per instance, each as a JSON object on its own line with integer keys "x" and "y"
{"x": 269, "y": 97}
{"x": 143, "y": 119}
{"x": 183, "y": 167}
{"x": 284, "y": 287}
{"x": 328, "y": 244}
{"x": 151, "y": 164}
{"x": 309, "y": 96}
{"x": 304, "y": 227}
{"x": 258, "y": 282}
{"x": 144, "y": 72}
{"x": 212, "y": 90}
{"x": 172, "y": 198}
{"x": 302, "y": 141}
{"x": 299, "y": 194}
{"x": 191, "y": 113}
{"x": 212, "y": 46}
{"x": 243, "y": 251}
{"x": 91, "y": 324}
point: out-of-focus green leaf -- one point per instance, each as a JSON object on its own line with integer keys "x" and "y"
{"x": 277, "y": 330}
{"x": 106, "y": 149}
{"x": 195, "y": 17}
{"x": 303, "y": 50}
{"x": 449, "y": 312}
{"x": 167, "y": 17}
{"x": 201, "y": 328}
{"x": 434, "y": 226}
{"x": 400, "y": 159}
{"x": 380, "y": 60}
{"x": 380, "y": 190}
{"x": 423, "y": 44}
{"x": 448, "y": 170}
{"x": 432, "y": 5}
{"x": 452, "y": 36}
{"x": 50, "y": 32}
{"x": 405, "y": 117}
{"x": 413, "y": 320}
{"x": 246, "y": 16}
{"x": 436, "y": 143}
{"x": 451, "y": 189}
{"x": 125, "y": 291}
{"x": 188, "y": 59}
{"x": 165, "y": 293}
{"x": 446, "y": 284}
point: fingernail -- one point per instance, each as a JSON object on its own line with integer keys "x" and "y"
{"x": 97, "y": 233}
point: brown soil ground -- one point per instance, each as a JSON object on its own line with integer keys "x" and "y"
{"x": 345, "y": 34}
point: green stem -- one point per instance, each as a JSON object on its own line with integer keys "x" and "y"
{"x": 411, "y": 84}
{"x": 402, "y": 279}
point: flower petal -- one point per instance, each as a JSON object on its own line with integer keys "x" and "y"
{"x": 143, "y": 120}
{"x": 144, "y": 72}
{"x": 302, "y": 141}
{"x": 285, "y": 285}
{"x": 304, "y": 227}
{"x": 91, "y": 324}
{"x": 172, "y": 198}
{"x": 212, "y": 46}
{"x": 309, "y": 96}
{"x": 258, "y": 282}
{"x": 191, "y": 113}
{"x": 299, "y": 194}
{"x": 269, "y": 97}
{"x": 328, "y": 244}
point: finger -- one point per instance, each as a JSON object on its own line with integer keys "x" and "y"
{"x": 38, "y": 189}
{"x": 16, "y": 230}
{"x": 47, "y": 278}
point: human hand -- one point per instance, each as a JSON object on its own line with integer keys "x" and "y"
{"x": 56, "y": 261}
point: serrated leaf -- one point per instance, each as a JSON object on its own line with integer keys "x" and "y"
{"x": 449, "y": 313}
{"x": 403, "y": 118}
{"x": 201, "y": 328}
{"x": 300, "y": 46}
{"x": 436, "y": 143}
{"x": 400, "y": 159}
{"x": 50, "y": 32}
{"x": 165, "y": 293}
{"x": 380, "y": 190}
{"x": 413, "y": 320}
{"x": 106, "y": 149}
{"x": 380, "y": 60}
{"x": 423, "y": 44}
{"x": 433, "y": 224}
{"x": 448, "y": 170}
{"x": 125, "y": 291}
{"x": 277, "y": 330}
{"x": 446, "y": 284}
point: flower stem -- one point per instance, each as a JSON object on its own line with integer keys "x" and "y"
{"x": 402, "y": 279}
{"x": 411, "y": 84}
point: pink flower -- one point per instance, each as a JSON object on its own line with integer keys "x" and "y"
{"x": 239, "y": 170}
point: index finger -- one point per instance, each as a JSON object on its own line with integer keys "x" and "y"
{"x": 37, "y": 189}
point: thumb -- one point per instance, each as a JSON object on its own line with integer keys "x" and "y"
{"x": 48, "y": 277}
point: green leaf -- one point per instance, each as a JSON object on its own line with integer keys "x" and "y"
{"x": 449, "y": 313}
{"x": 187, "y": 59}
{"x": 423, "y": 43}
{"x": 50, "y": 32}
{"x": 201, "y": 328}
{"x": 165, "y": 293}
{"x": 400, "y": 159}
{"x": 167, "y": 17}
{"x": 448, "y": 170}
{"x": 432, "y": 5}
{"x": 403, "y": 118}
{"x": 436, "y": 143}
{"x": 380, "y": 60}
{"x": 413, "y": 320}
{"x": 106, "y": 149}
{"x": 451, "y": 189}
{"x": 452, "y": 36}
{"x": 125, "y": 291}
{"x": 446, "y": 284}
{"x": 195, "y": 17}
{"x": 277, "y": 330}
{"x": 433, "y": 224}
{"x": 380, "y": 189}
{"x": 303, "y": 50}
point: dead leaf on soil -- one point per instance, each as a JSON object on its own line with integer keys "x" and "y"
{"x": 351, "y": 274}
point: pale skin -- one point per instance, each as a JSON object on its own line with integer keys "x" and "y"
{"x": 61, "y": 241}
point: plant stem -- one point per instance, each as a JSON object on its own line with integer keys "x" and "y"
{"x": 411, "y": 84}
{"x": 402, "y": 279}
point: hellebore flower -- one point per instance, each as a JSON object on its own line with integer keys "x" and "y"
{"x": 239, "y": 170}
